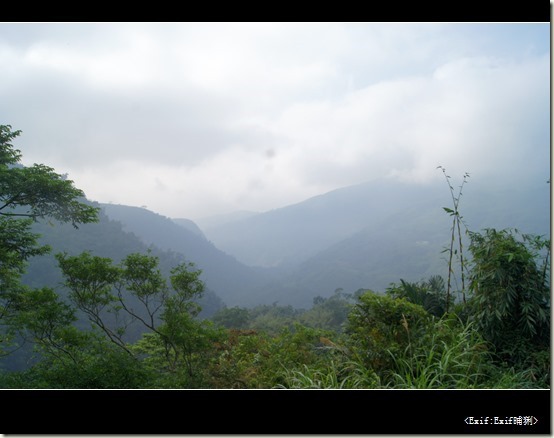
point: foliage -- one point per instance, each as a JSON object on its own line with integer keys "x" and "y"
{"x": 252, "y": 359}
{"x": 413, "y": 336}
{"x": 326, "y": 314}
{"x": 171, "y": 353}
{"x": 329, "y": 313}
{"x": 233, "y": 317}
{"x": 510, "y": 300}
{"x": 96, "y": 365}
{"x": 45, "y": 320}
{"x": 430, "y": 294}
{"x": 408, "y": 347}
{"x": 342, "y": 375}
{"x": 436, "y": 353}
{"x": 99, "y": 289}
{"x": 335, "y": 368}
{"x": 381, "y": 327}
{"x": 92, "y": 282}
{"x": 27, "y": 194}
{"x": 451, "y": 355}
{"x": 180, "y": 362}
{"x": 240, "y": 360}
{"x": 273, "y": 318}
{"x": 37, "y": 191}
{"x": 457, "y": 219}
{"x": 533, "y": 373}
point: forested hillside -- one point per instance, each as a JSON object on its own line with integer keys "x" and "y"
{"x": 116, "y": 304}
{"x": 106, "y": 238}
{"x": 369, "y": 235}
{"x": 321, "y": 228}
{"x": 292, "y": 234}
{"x": 233, "y": 281}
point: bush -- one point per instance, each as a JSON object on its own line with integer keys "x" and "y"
{"x": 380, "y": 328}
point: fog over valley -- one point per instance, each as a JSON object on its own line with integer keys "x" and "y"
{"x": 267, "y": 205}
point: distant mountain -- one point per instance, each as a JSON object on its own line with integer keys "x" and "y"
{"x": 221, "y": 219}
{"x": 107, "y": 238}
{"x": 189, "y": 225}
{"x": 291, "y": 235}
{"x": 363, "y": 236}
{"x": 370, "y": 235}
{"x": 234, "y": 282}
{"x": 371, "y": 258}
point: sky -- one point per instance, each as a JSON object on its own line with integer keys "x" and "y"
{"x": 200, "y": 119}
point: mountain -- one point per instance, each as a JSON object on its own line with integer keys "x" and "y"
{"x": 222, "y": 219}
{"x": 291, "y": 235}
{"x": 231, "y": 280}
{"x": 363, "y": 236}
{"x": 370, "y": 235}
{"x": 371, "y": 258}
{"x": 106, "y": 238}
{"x": 189, "y": 225}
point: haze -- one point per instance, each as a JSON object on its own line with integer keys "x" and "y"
{"x": 197, "y": 119}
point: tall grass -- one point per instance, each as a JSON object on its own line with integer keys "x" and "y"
{"x": 457, "y": 360}
{"x": 343, "y": 375}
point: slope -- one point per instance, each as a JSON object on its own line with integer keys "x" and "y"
{"x": 290, "y": 235}
{"x": 105, "y": 239}
{"x": 234, "y": 282}
{"x": 408, "y": 245}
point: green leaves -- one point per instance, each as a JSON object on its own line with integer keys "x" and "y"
{"x": 379, "y": 324}
{"x": 43, "y": 314}
{"x": 185, "y": 279}
{"x": 38, "y": 192}
{"x": 431, "y": 295}
{"x": 100, "y": 289}
{"x": 142, "y": 276}
{"x": 456, "y": 229}
{"x": 90, "y": 280}
{"x": 27, "y": 194}
{"x": 17, "y": 245}
{"x": 8, "y": 155}
{"x": 511, "y": 295}
{"x": 452, "y": 355}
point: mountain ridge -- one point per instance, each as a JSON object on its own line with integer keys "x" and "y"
{"x": 404, "y": 239}
{"x": 363, "y": 236}
{"x": 230, "y": 279}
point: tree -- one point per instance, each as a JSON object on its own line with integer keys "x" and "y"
{"x": 329, "y": 313}
{"x": 381, "y": 327}
{"x": 234, "y": 317}
{"x": 37, "y": 191}
{"x": 510, "y": 287}
{"x": 115, "y": 296}
{"x": 430, "y": 294}
{"x": 28, "y": 194}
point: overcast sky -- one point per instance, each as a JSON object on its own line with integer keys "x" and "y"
{"x": 195, "y": 119}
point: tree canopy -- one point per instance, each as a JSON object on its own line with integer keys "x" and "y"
{"x": 28, "y": 194}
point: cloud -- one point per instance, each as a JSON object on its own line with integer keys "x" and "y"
{"x": 199, "y": 118}
{"x": 476, "y": 114}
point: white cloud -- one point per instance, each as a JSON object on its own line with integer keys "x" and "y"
{"x": 199, "y": 118}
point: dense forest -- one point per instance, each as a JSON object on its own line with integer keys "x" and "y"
{"x": 145, "y": 319}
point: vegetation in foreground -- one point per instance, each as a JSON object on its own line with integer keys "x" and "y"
{"x": 493, "y": 332}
